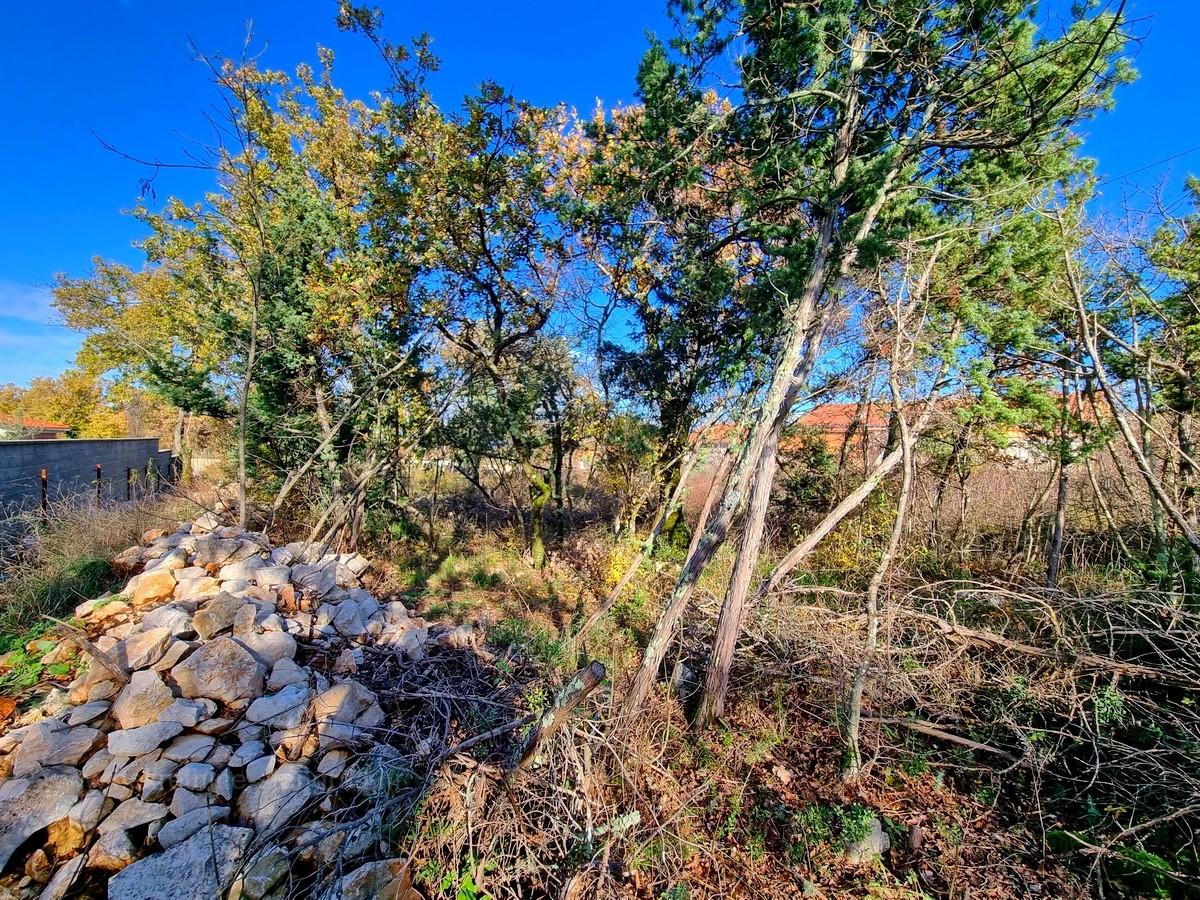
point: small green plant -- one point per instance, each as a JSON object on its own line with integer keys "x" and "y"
{"x": 917, "y": 764}
{"x": 951, "y": 833}
{"x": 536, "y": 699}
{"x": 481, "y": 577}
{"x": 530, "y": 638}
{"x": 1109, "y": 705}
{"x": 812, "y": 826}
{"x": 763, "y": 746}
{"x": 757, "y": 848}
{"x": 729, "y": 827}
{"x": 459, "y": 884}
{"x": 854, "y": 823}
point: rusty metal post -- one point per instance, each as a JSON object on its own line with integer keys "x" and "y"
{"x": 45, "y": 493}
{"x": 99, "y": 482}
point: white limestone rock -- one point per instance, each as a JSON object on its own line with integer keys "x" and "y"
{"x": 143, "y": 740}
{"x": 271, "y": 804}
{"x": 199, "y": 868}
{"x": 222, "y": 670}
{"x": 33, "y": 803}
{"x": 141, "y": 701}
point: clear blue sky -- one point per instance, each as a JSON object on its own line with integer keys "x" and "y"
{"x": 123, "y": 69}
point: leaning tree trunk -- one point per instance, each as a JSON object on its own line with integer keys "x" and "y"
{"x": 729, "y": 622}
{"x": 559, "y": 460}
{"x": 778, "y": 397}
{"x": 801, "y": 326}
{"x": 1136, "y": 446}
{"x": 243, "y": 406}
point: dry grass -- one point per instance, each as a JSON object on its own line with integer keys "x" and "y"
{"x": 65, "y": 557}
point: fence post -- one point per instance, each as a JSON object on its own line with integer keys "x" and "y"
{"x": 45, "y": 492}
{"x": 129, "y": 483}
{"x": 99, "y": 482}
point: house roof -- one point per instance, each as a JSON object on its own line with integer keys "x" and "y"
{"x": 834, "y": 420}
{"x": 839, "y": 417}
{"x": 33, "y": 424}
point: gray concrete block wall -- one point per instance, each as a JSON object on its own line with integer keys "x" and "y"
{"x": 71, "y": 470}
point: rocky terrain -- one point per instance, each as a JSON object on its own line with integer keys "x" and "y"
{"x": 219, "y": 739}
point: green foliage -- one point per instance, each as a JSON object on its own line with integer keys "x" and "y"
{"x": 530, "y": 638}
{"x": 634, "y": 613}
{"x": 811, "y": 826}
{"x": 458, "y": 884}
{"x": 1139, "y": 870}
{"x": 810, "y": 473}
{"x": 52, "y": 587}
{"x": 1109, "y": 704}
{"x": 853, "y": 822}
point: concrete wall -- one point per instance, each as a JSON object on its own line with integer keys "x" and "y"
{"x": 71, "y": 470}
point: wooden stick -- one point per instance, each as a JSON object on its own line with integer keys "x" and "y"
{"x": 923, "y": 727}
{"x": 80, "y": 640}
{"x": 572, "y": 694}
{"x": 486, "y": 736}
{"x": 1086, "y": 660}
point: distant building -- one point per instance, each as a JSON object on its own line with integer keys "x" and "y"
{"x": 14, "y": 429}
{"x": 843, "y": 427}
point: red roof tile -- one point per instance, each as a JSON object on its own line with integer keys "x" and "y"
{"x": 35, "y": 424}
{"x": 840, "y": 416}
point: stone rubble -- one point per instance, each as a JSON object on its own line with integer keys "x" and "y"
{"x": 202, "y": 771}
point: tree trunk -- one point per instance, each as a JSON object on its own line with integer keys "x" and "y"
{"x": 432, "y": 517}
{"x": 558, "y": 456}
{"x": 177, "y": 442}
{"x": 539, "y": 495}
{"x": 243, "y": 403}
{"x": 1136, "y": 445}
{"x": 957, "y": 450}
{"x": 1025, "y": 531}
{"x": 185, "y": 460}
{"x": 779, "y": 395}
{"x": 729, "y": 622}
{"x": 799, "y": 327}
{"x": 852, "y": 501}
{"x": 1054, "y": 557}
{"x": 871, "y": 643}
{"x": 1106, "y": 510}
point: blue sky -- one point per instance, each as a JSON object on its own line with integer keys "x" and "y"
{"x": 123, "y": 68}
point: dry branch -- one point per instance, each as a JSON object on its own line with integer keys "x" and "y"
{"x": 928, "y": 728}
{"x": 1085, "y": 660}
{"x": 77, "y": 637}
{"x": 572, "y": 694}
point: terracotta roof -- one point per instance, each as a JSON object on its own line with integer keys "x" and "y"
{"x": 840, "y": 416}
{"x": 35, "y": 424}
{"x": 719, "y": 433}
{"x": 834, "y": 420}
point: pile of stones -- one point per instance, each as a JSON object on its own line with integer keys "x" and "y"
{"x": 202, "y": 751}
